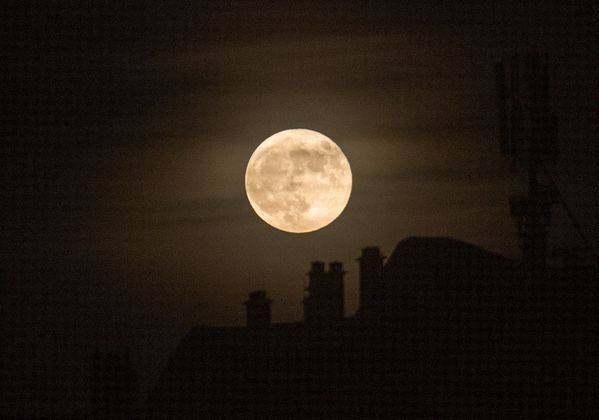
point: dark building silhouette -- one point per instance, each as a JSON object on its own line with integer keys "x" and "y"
{"x": 445, "y": 330}
{"x": 258, "y": 310}
{"x": 371, "y": 276}
{"x": 113, "y": 391}
{"x": 323, "y": 299}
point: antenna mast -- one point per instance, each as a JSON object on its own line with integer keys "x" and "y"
{"x": 528, "y": 136}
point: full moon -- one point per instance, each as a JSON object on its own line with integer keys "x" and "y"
{"x": 298, "y": 180}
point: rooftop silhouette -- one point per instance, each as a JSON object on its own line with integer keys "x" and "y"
{"x": 444, "y": 329}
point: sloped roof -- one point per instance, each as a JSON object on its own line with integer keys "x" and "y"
{"x": 466, "y": 331}
{"x": 443, "y": 276}
{"x": 425, "y": 251}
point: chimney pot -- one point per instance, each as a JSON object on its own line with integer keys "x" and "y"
{"x": 258, "y": 309}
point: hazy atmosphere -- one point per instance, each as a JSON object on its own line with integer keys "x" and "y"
{"x": 129, "y": 131}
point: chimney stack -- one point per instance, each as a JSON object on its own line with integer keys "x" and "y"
{"x": 371, "y": 276}
{"x": 323, "y": 301}
{"x": 258, "y": 309}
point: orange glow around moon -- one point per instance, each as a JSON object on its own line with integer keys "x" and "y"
{"x": 298, "y": 180}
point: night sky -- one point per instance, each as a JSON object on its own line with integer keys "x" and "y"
{"x": 129, "y": 129}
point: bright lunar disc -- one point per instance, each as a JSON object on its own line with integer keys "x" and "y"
{"x": 298, "y": 180}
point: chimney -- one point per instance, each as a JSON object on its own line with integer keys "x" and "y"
{"x": 258, "y": 309}
{"x": 336, "y": 275}
{"x": 323, "y": 301}
{"x": 371, "y": 276}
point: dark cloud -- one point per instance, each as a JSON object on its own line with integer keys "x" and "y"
{"x": 195, "y": 213}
